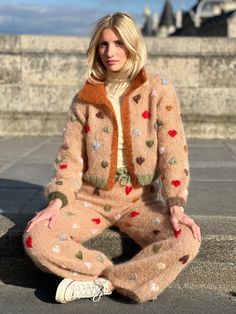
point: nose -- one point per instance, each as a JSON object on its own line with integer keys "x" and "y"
{"x": 110, "y": 51}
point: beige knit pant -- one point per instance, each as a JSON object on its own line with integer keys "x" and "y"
{"x": 138, "y": 213}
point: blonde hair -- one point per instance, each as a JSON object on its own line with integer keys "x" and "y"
{"x": 132, "y": 39}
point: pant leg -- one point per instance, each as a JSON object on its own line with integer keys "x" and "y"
{"x": 59, "y": 250}
{"x": 162, "y": 258}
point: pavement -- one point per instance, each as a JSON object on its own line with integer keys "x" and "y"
{"x": 207, "y": 285}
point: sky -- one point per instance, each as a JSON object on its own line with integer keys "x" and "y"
{"x": 71, "y": 17}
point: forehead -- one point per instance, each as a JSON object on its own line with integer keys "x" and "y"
{"x": 109, "y": 34}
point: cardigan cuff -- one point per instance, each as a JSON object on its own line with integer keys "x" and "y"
{"x": 61, "y": 196}
{"x": 175, "y": 201}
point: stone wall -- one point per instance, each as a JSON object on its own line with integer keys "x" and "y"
{"x": 39, "y": 76}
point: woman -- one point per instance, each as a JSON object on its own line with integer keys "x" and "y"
{"x": 123, "y": 140}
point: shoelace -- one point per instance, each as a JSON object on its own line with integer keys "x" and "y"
{"x": 100, "y": 292}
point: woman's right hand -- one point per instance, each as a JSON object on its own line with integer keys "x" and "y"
{"x": 50, "y": 213}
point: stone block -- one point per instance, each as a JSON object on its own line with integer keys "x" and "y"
{"x": 53, "y": 69}
{"x": 217, "y": 46}
{"x": 182, "y": 72}
{"x": 217, "y": 71}
{"x": 10, "y": 44}
{"x": 10, "y": 69}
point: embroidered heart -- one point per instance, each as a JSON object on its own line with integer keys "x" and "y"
{"x": 63, "y": 166}
{"x": 73, "y": 118}
{"x": 29, "y": 242}
{"x": 176, "y": 183}
{"x": 96, "y": 145}
{"x": 63, "y": 237}
{"x": 153, "y": 93}
{"x": 56, "y": 249}
{"x": 177, "y": 233}
{"x": 146, "y": 114}
{"x": 137, "y": 98}
{"x": 106, "y": 130}
{"x": 128, "y": 189}
{"x": 149, "y": 143}
{"x": 161, "y": 266}
{"x": 127, "y": 224}
{"x": 100, "y": 259}
{"x": 133, "y": 276}
{"x": 136, "y": 132}
{"x": 69, "y": 214}
{"x": 117, "y": 216}
{"x": 186, "y": 172}
{"x": 79, "y": 255}
{"x": 96, "y": 220}
{"x": 169, "y": 107}
{"x": 164, "y": 81}
{"x": 94, "y": 231}
{"x": 154, "y": 286}
{"x": 159, "y": 123}
{"x": 135, "y": 200}
{"x": 156, "y": 220}
{"x": 134, "y": 214}
{"x": 100, "y": 115}
{"x": 65, "y": 146}
{"x": 87, "y": 204}
{"x": 156, "y": 247}
{"x": 172, "y": 133}
{"x": 88, "y": 264}
{"x": 87, "y": 128}
{"x": 161, "y": 150}
{"x": 104, "y": 163}
{"x": 75, "y": 226}
{"x": 59, "y": 182}
{"x": 172, "y": 161}
{"x": 96, "y": 191}
{"x": 107, "y": 208}
{"x": 156, "y": 232}
{"x": 184, "y": 259}
{"x": 140, "y": 160}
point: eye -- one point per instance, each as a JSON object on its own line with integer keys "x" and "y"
{"x": 119, "y": 43}
{"x": 102, "y": 44}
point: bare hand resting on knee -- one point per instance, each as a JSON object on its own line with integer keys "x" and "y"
{"x": 178, "y": 216}
{"x": 50, "y": 213}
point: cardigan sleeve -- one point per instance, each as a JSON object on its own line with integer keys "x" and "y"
{"x": 69, "y": 159}
{"x": 173, "y": 163}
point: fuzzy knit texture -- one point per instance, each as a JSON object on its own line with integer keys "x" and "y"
{"x": 135, "y": 211}
{"x": 154, "y": 141}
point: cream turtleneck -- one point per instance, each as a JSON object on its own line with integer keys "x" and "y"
{"x": 115, "y": 93}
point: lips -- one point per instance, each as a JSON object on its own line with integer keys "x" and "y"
{"x": 111, "y": 61}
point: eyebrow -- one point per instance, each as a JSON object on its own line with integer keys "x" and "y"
{"x": 114, "y": 41}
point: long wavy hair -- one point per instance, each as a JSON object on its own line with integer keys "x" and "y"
{"x": 132, "y": 39}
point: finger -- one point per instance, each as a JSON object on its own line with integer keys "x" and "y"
{"x": 52, "y": 221}
{"x": 199, "y": 234}
{"x": 175, "y": 223}
{"x": 35, "y": 222}
{"x": 194, "y": 230}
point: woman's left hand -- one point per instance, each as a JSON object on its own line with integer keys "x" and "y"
{"x": 178, "y": 216}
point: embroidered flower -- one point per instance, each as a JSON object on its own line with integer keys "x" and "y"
{"x": 153, "y": 93}
{"x": 136, "y": 132}
{"x": 161, "y": 150}
{"x": 164, "y": 81}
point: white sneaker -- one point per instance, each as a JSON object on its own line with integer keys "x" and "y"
{"x": 69, "y": 290}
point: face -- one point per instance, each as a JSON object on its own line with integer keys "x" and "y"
{"x": 111, "y": 50}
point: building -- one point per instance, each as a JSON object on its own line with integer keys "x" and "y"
{"x": 205, "y": 18}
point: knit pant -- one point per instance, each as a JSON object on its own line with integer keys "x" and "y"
{"x": 136, "y": 212}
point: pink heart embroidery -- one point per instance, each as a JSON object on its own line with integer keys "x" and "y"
{"x": 134, "y": 214}
{"x": 96, "y": 220}
{"x": 175, "y": 183}
{"x": 128, "y": 189}
{"x": 172, "y": 133}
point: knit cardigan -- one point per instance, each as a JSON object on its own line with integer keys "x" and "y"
{"x": 154, "y": 141}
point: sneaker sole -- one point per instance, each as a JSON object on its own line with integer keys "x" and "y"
{"x": 61, "y": 290}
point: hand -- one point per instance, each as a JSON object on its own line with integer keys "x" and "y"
{"x": 178, "y": 216}
{"x": 51, "y": 213}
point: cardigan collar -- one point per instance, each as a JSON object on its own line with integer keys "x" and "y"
{"x": 96, "y": 93}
